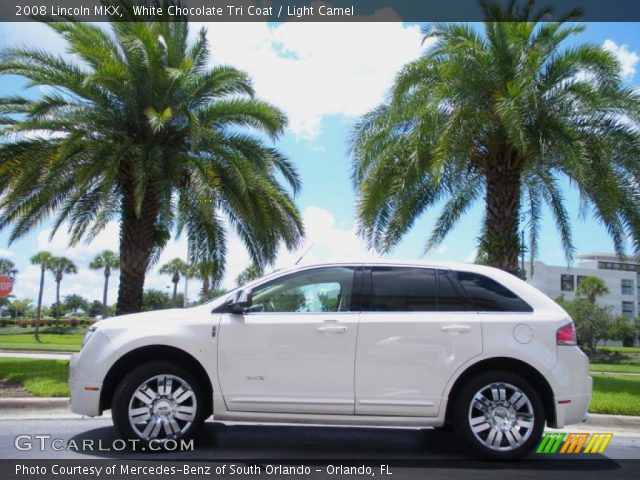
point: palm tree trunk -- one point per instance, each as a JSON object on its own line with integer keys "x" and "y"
{"x": 39, "y": 309}
{"x": 57, "y": 300}
{"x": 501, "y": 243}
{"x": 104, "y": 295}
{"x": 175, "y": 293}
{"x": 137, "y": 238}
{"x": 205, "y": 288}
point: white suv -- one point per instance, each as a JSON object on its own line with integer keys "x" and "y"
{"x": 386, "y": 344}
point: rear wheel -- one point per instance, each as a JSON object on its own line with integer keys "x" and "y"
{"x": 499, "y": 415}
{"x": 156, "y": 402}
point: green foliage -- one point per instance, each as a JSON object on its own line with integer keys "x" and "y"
{"x": 154, "y": 299}
{"x": 95, "y": 309}
{"x": 592, "y": 321}
{"x": 623, "y": 329}
{"x": 74, "y": 303}
{"x": 20, "y": 308}
{"x": 106, "y": 261}
{"x": 136, "y": 126}
{"x": 514, "y": 108}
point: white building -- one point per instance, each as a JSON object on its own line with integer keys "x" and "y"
{"x": 622, "y": 277}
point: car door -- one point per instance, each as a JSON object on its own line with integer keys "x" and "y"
{"x": 293, "y": 350}
{"x": 416, "y": 329}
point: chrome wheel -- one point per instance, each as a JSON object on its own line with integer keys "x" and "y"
{"x": 501, "y": 416}
{"x": 162, "y": 407}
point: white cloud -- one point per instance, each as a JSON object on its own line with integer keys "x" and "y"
{"x": 6, "y": 253}
{"x": 315, "y": 69}
{"x": 627, "y": 58}
{"x": 472, "y": 256}
{"x": 442, "y": 249}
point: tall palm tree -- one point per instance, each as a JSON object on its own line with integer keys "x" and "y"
{"x": 175, "y": 268}
{"x": 7, "y": 267}
{"x": 105, "y": 261}
{"x": 211, "y": 274}
{"x": 42, "y": 259}
{"x": 503, "y": 115}
{"x": 60, "y": 266}
{"x": 144, "y": 132}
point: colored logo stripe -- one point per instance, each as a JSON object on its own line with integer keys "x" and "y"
{"x": 573, "y": 442}
{"x": 550, "y": 442}
{"x": 598, "y": 442}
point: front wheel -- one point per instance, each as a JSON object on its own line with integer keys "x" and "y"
{"x": 499, "y": 415}
{"x": 158, "y": 401}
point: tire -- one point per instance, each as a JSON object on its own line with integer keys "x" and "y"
{"x": 499, "y": 415}
{"x": 173, "y": 400}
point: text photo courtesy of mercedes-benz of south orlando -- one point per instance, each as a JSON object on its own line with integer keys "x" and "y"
{"x": 319, "y": 239}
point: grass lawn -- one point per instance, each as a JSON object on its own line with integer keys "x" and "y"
{"x": 616, "y": 395}
{"x": 43, "y": 378}
{"x": 613, "y": 367}
{"x": 49, "y": 342}
{"x": 620, "y": 349}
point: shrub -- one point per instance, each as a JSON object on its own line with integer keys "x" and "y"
{"x": 74, "y": 322}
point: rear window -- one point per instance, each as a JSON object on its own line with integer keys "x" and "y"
{"x": 487, "y": 295}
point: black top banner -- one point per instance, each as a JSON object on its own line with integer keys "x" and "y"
{"x": 310, "y": 11}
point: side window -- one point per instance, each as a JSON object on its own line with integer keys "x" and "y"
{"x": 402, "y": 289}
{"x": 490, "y": 296}
{"x": 318, "y": 290}
{"x": 449, "y": 298}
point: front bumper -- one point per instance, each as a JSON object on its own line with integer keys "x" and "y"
{"x": 85, "y": 395}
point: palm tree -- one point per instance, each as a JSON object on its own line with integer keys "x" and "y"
{"x": 211, "y": 274}
{"x": 60, "y": 266}
{"x": 146, "y": 133}
{"x": 7, "y": 267}
{"x": 592, "y": 288}
{"x": 42, "y": 259}
{"x": 174, "y": 268}
{"x": 252, "y": 272}
{"x": 505, "y": 116}
{"x": 105, "y": 261}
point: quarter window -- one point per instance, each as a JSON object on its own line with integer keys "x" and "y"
{"x": 490, "y": 296}
{"x": 627, "y": 286}
{"x": 317, "y": 290}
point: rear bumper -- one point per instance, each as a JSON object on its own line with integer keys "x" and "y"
{"x": 573, "y": 409}
{"x": 572, "y": 386}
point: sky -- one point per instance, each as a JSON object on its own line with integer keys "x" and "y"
{"x": 323, "y": 76}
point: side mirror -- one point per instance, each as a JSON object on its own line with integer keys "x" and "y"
{"x": 240, "y": 301}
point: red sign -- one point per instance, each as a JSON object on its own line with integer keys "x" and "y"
{"x": 6, "y": 286}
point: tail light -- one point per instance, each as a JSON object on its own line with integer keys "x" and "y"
{"x": 566, "y": 335}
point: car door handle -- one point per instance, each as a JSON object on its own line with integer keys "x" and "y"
{"x": 456, "y": 329}
{"x": 333, "y": 329}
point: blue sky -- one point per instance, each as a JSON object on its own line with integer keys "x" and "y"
{"x": 323, "y": 76}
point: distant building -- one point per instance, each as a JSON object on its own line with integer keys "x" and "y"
{"x": 622, "y": 277}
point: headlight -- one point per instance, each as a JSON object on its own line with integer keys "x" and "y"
{"x": 87, "y": 336}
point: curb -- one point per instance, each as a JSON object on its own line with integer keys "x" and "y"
{"x": 33, "y": 403}
{"x": 45, "y": 403}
